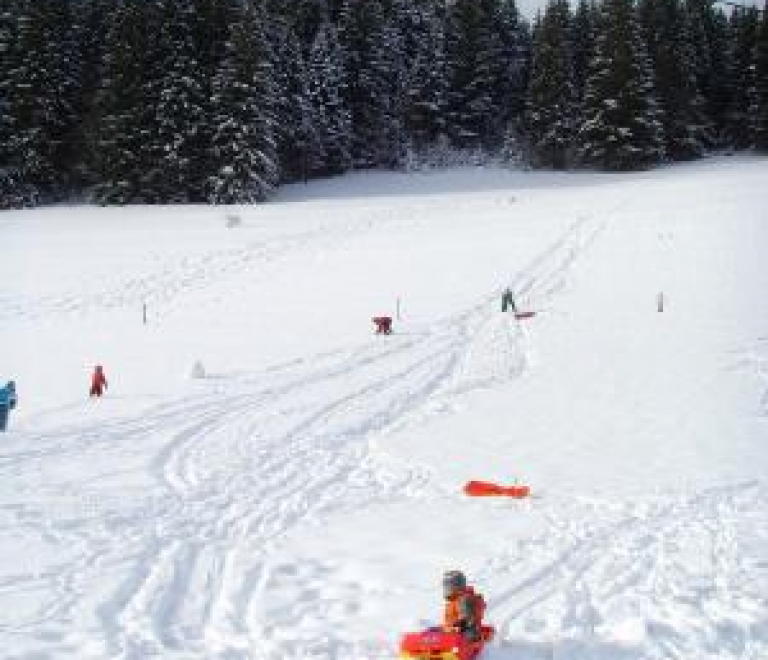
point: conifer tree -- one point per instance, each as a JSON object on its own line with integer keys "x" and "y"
{"x": 425, "y": 78}
{"x": 471, "y": 44}
{"x": 91, "y": 20}
{"x": 551, "y": 115}
{"x": 621, "y": 128}
{"x": 125, "y": 107}
{"x": 667, "y": 32}
{"x": 294, "y": 121}
{"x": 582, "y": 44}
{"x": 304, "y": 17}
{"x": 743, "y": 24}
{"x": 175, "y": 87}
{"x": 38, "y": 89}
{"x": 760, "y": 106}
{"x": 242, "y": 161}
{"x": 374, "y": 89}
{"x": 211, "y": 31}
{"x": 210, "y": 34}
{"x": 510, "y": 68}
{"x": 330, "y": 145}
{"x": 13, "y": 193}
{"x": 713, "y": 64}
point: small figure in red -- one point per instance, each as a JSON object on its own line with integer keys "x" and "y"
{"x": 98, "y": 382}
{"x": 383, "y": 325}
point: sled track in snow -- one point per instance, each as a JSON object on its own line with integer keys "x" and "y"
{"x": 497, "y": 346}
{"x": 631, "y": 578}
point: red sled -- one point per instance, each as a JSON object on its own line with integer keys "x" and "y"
{"x": 488, "y": 489}
{"x": 437, "y": 644}
{"x": 524, "y": 315}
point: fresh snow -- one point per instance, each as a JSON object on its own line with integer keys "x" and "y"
{"x": 267, "y": 479}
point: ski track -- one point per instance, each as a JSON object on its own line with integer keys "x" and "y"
{"x": 754, "y": 359}
{"x": 234, "y": 468}
{"x": 655, "y": 577}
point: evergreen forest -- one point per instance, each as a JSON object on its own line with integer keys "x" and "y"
{"x": 221, "y": 101}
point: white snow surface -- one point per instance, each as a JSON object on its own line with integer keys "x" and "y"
{"x": 266, "y": 478}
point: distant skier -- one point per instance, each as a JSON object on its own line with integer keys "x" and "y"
{"x": 508, "y": 301}
{"x": 7, "y": 403}
{"x": 98, "y": 382}
{"x": 464, "y": 607}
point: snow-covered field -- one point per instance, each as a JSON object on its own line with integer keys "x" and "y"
{"x": 300, "y": 495}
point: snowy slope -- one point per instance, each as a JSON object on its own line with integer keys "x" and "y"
{"x": 301, "y": 496}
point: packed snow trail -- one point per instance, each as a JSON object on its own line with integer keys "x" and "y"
{"x": 632, "y": 579}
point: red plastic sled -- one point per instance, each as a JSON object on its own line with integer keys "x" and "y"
{"x": 437, "y": 644}
{"x": 486, "y": 489}
{"x": 524, "y": 315}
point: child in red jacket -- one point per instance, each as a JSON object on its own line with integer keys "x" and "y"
{"x": 98, "y": 382}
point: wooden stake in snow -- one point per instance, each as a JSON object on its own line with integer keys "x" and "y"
{"x": 197, "y": 370}
{"x": 660, "y": 302}
{"x": 144, "y": 313}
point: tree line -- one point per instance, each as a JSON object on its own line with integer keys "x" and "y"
{"x": 221, "y": 101}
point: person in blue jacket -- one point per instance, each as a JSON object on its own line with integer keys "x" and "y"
{"x": 7, "y": 403}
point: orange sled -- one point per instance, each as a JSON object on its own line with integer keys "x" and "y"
{"x": 437, "y": 644}
{"x": 486, "y": 489}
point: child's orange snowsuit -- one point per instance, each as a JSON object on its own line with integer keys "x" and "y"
{"x": 464, "y": 612}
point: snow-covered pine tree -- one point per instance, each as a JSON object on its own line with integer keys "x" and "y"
{"x": 714, "y": 68}
{"x": 211, "y": 37}
{"x": 743, "y": 39}
{"x": 666, "y": 27}
{"x": 63, "y": 80}
{"x": 242, "y": 160}
{"x": 699, "y": 14}
{"x": 760, "y": 106}
{"x": 374, "y": 89}
{"x": 330, "y": 120}
{"x": 582, "y": 43}
{"x": 621, "y": 127}
{"x": 12, "y": 194}
{"x": 425, "y": 77}
{"x": 294, "y": 130}
{"x": 211, "y": 32}
{"x": 510, "y": 68}
{"x": 551, "y": 114}
{"x": 176, "y": 88}
{"x": 304, "y": 17}
{"x": 125, "y": 110}
{"x": 90, "y": 19}
{"x": 471, "y": 44}
{"x": 38, "y": 87}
